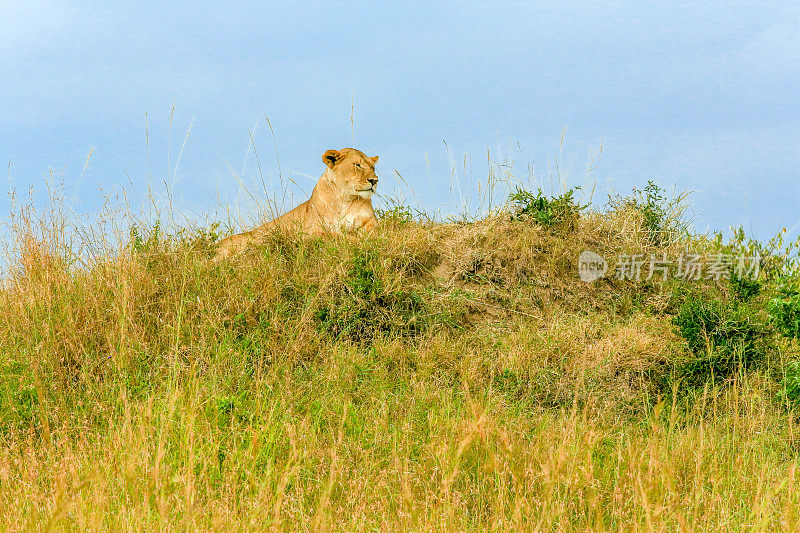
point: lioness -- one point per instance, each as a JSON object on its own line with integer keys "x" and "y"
{"x": 341, "y": 202}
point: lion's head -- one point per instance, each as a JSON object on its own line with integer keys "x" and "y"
{"x": 353, "y": 173}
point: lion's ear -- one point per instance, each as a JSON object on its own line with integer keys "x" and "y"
{"x": 331, "y": 157}
{"x": 374, "y": 159}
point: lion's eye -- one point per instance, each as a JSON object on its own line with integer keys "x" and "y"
{"x": 358, "y": 165}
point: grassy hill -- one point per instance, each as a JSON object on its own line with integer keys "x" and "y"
{"x": 431, "y": 375}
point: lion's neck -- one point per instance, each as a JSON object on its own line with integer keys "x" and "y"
{"x": 326, "y": 197}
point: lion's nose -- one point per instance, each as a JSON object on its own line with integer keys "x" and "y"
{"x": 373, "y": 181}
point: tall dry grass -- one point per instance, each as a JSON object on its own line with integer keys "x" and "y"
{"x": 430, "y": 376}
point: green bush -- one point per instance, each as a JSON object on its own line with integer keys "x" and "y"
{"x": 545, "y": 211}
{"x": 747, "y": 279}
{"x": 723, "y": 336}
{"x": 785, "y": 315}
{"x": 662, "y": 217}
{"x": 363, "y": 307}
{"x": 148, "y": 242}
{"x": 398, "y": 214}
{"x": 744, "y": 288}
{"x": 784, "y": 307}
{"x": 651, "y": 202}
{"x": 790, "y": 393}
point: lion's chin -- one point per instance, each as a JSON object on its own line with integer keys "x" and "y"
{"x": 366, "y": 194}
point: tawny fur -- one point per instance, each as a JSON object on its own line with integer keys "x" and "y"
{"x": 341, "y": 202}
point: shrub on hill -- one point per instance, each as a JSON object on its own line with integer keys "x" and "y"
{"x": 561, "y": 210}
{"x": 723, "y": 336}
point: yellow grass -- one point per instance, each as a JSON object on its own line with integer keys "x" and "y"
{"x": 485, "y": 388}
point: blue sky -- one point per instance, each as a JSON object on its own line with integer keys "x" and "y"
{"x": 699, "y": 96}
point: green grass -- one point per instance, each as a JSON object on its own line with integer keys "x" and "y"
{"x": 723, "y": 336}
{"x": 427, "y": 376}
